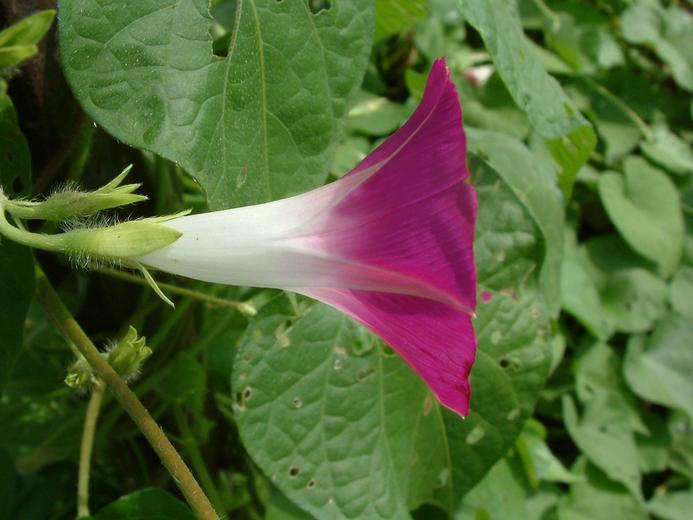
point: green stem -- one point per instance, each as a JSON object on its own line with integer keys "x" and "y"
{"x": 193, "y": 451}
{"x": 241, "y": 307}
{"x": 71, "y": 331}
{"x": 86, "y": 448}
{"x": 53, "y": 243}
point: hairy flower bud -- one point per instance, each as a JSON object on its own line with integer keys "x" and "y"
{"x": 127, "y": 355}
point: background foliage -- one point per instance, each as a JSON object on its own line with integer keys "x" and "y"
{"x": 579, "y": 144}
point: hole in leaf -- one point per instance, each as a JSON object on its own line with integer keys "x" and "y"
{"x": 317, "y": 6}
{"x": 311, "y": 483}
{"x": 247, "y": 393}
{"x": 294, "y": 471}
{"x": 221, "y": 30}
{"x": 17, "y": 185}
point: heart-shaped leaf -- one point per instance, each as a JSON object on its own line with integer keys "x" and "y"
{"x": 255, "y": 126}
{"x": 644, "y": 206}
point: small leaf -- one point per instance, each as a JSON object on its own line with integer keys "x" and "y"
{"x": 394, "y": 17}
{"x": 545, "y": 465}
{"x": 667, "y": 31}
{"x": 658, "y": 369}
{"x": 669, "y": 151}
{"x": 681, "y": 292}
{"x": 18, "y": 42}
{"x": 599, "y": 377}
{"x": 681, "y": 447}
{"x": 606, "y": 440}
{"x": 644, "y": 206}
{"x": 598, "y": 498}
{"x": 579, "y": 292}
{"x": 672, "y": 505}
{"x": 375, "y": 115}
{"x": 145, "y": 503}
{"x": 570, "y": 136}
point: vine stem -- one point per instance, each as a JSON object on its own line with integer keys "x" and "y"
{"x": 172, "y": 461}
{"x": 86, "y": 448}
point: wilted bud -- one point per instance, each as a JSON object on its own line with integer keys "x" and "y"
{"x": 128, "y": 354}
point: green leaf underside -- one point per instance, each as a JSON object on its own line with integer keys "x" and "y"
{"x": 16, "y": 262}
{"x": 255, "y": 126}
{"x": 570, "y": 137}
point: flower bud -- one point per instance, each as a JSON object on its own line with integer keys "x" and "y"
{"x": 128, "y": 354}
{"x": 68, "y": 204}
{"x": 119, "y": 242}
{"x": 80, "y": 374}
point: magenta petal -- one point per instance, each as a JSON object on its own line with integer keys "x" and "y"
{"x": 413, "y": 217}
{"x": 415, "y": 214}
{"x": 436, "y": 340}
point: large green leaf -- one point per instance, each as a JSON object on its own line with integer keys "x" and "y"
{"x": 345, "y": 429}
{"x": 254, "y": 126}
{"x": 644, "y": 206}
{"x": 659, "y": 369}
{"x": 16, "y": 262}
{"x": 570, "y": 137}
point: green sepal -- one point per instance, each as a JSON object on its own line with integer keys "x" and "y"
{"x": 119, "y": 242}
{"x": 128, "y": 354}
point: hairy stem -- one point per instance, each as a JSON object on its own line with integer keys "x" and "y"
{"x": 86, "y": 448}
{"x": 71, "y": 331}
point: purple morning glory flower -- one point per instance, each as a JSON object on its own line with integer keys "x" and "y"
{"x": 390, "y": 244}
